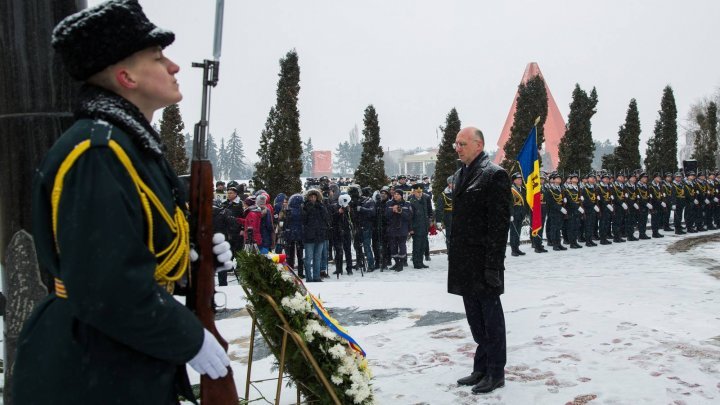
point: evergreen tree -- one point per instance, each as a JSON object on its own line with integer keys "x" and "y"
{"x": 342, "y": 158}
{"x": 212, "y": 150}
{"x": 577, "y": 147}
{"x": 627, "y": 155}
{"x": 307, "y": 158}
{"x": 235, "y": 157}
{"x": 171, "y": 127}
{"x": 371, "y": 170}
{"x": 220, "y": 171}
{"x": 706, "y": 137}
{"x": 662, "y": 147}
{"x": 281, "y": 171}
{"x": 531, "y": 103}
{"x": 445, "y": 162}
{"x": 261, "y": 177}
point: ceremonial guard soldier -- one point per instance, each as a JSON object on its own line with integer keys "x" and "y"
{"x": 715, "y": 200}
{"x": 657, "y": 202}
{"x": 677, "y": 202}
{"x": 620, "y": 206}
{"x": 574, "y": 210}
{"x": 705, "y": 197}
{"x": 605, "y": 200}
{"x": 631, "y": 199}
{"x": 556, "y": 211}
{"x": 644, "y": 205}
{"x": 517, "y": 213}
{"x": 691, "y": 203}
{"x": 667, "y": 191}
{"x": 537, "y": 240}
{"x": 589, "y": 198}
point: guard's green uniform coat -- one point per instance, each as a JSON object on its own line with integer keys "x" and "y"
{"x": 118, "y": 337}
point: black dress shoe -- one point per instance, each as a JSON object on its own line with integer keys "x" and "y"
{"x": 488, "y": 384}
{"x": 590, "y": 244}
{"x": 559, "y": 247}
{"x": 472, "y": 379}
{"x": 680, "y": 232}
{"x": 540, "y": 249}
{"x": 605, "y": 242}
{"x": 618, "y": 240}
{"x": 632, "y": 239}
{"x": 644, "y": 237}
{"x": 657, "y": 235}
{"x": 575, "y": 246}
{"x": 424, "y": 266}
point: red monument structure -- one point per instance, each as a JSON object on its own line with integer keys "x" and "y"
{"x": 322, "y": 163}
{"x": 554, "y": 124}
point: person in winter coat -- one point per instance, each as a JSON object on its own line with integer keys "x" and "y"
{"x": 279, "y": 209}
{"x": 266, "y": 223}
{"x": 366, "y": 217}
{"x": 399, "y": 214}
{"x": 111, "y": 331}
{"x": 315, "y": 229}
{"x": 443, "y": 208}
{"x": 422, "y": 217}
{"x": 341, "y": 233}
{"x": 293, "y": 236}
{"x": 382, "y": 248}
{"x": 476, "y": 256}
{"x": 251, "y": 222}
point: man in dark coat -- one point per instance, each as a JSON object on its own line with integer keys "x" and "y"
{"x": 517, "y": 213}
{"x": 476, "y": 255}
{"x": 316, "y": 220}
{"x": 422, "y": 216}
{"x": 111, "y": 332}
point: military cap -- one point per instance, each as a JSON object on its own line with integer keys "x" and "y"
{"x": 572, "y": 175}
{"x": 219, "y": 182}
{"x": 97, "y": 37}
{"x": 401, "y": 177}
{"x": 668, "y": 174}
{"x": 678, "y": 174}
{"x": 657, "y": 174}
{"x": 643, "y": 174}
{"x": 690, "y": 173}
{"x": 417, "y": 187}
{"x": 554, "y": 175}
{"x": 604, "y": 175}
{"x": 516, "y": 175}
{"x": 632, "y": 174}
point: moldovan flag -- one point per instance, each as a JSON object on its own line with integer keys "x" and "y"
{"x": 530, "y": 170}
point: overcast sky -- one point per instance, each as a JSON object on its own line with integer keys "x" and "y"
{"x": 415, "y": 60}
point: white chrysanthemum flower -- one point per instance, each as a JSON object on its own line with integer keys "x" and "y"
{"x": 296, "y": 304}
{"x": 336, "y": 379}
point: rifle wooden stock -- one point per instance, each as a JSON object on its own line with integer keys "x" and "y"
{"x": 202, "y": 281}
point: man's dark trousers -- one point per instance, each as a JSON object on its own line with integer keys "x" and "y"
{"x": 487, "y": 324}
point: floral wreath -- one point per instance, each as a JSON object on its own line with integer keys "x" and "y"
{"x": 338, "y": 355}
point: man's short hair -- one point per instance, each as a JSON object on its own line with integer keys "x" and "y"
{"x": 478, "y": 134}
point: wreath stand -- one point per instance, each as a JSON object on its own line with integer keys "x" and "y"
{"x": 279, "y": 351}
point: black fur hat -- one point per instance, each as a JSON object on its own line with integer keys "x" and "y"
{"x": 97, "y": 37}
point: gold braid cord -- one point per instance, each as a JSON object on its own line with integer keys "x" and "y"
{"x": 175, "y": 256}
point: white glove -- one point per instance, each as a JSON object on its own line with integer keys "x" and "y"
{"x": 625, "y": 207}
{"x": 716, "y": 199}
{"x": 596, "y": 208}
{"x": 610, "y": 207}
{"x": 649, "y": 206}
{"x": 626, "y": 195}
{"x": 582, "y": 198}
{"x": 581, "y": 210}
{"x": 707, "y": 201}
{"x": 612, "y": 197}
{"x": 564, "y": 199}
{"x": 673, "y": 207}
{"x": 663, "y": 204}
{"x": 221, "y": 249}
{"x": 696, "y": 202}
{"x": 211, "y": 359}
{"x": 563, "y": 210}
{"x": 358, "y": 208}
{"x": 637, "y": 207}
{"x": 512, "y": 218}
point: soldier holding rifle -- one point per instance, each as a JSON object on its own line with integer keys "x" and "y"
{"x": 110, "y": 225}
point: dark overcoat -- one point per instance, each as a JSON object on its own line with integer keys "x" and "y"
{"x": 481, "y": 219}
{"x": 118, "y": 337}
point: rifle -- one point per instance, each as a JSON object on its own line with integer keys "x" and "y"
{"x": 202, "y": 273}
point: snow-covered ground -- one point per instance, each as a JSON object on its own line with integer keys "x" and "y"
{"x": 628, "y": 323}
